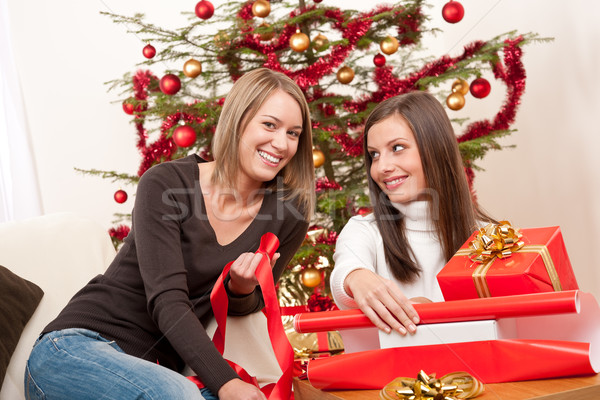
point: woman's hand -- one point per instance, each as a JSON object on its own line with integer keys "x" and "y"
{"x": 243, "y": 272}
{"x": 382, "y": 301}
{"x": 236, "y": 389}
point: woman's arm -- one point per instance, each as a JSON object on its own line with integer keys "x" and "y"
{"x": 291, "y": 232}
{"x": 356, "y": 281}
{"x": 382, "y": 301}
{"x": 162, "y": 198}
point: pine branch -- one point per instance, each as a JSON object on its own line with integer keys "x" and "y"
{"x": 115, "y": 176}
{"x": 121, "y": 217}
{"x": 475, "y": 149}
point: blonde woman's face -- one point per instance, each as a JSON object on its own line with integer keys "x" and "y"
{"x": 270, "y": 139}
{"x": 396, "y": 163}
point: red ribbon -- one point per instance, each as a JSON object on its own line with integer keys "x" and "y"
{"x": 284, "y": 353}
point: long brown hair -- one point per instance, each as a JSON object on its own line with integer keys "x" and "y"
{"x": 451, "y": 206}
{"x": 243, "y": 101}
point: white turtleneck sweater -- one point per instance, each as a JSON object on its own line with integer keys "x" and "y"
{"x": 360, "y": 246}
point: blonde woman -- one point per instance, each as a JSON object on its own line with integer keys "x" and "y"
{"x": 129, "y": 332}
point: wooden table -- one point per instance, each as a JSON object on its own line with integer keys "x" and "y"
{"x": 577, "y": 388}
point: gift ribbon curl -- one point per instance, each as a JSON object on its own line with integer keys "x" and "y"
{"x": 453, "y": 386}
{"x": 499, "y": 240}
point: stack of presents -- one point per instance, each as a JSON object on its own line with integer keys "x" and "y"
{"x": 512, "y": 312}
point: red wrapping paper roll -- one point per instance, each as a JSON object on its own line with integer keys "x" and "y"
{"x": 489, "y": 361}
{"x": 450, "y": 311}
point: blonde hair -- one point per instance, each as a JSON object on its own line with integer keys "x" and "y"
{"x": 243, "y": 101}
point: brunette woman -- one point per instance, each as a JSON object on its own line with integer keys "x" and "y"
{"x": 422, "y": 213}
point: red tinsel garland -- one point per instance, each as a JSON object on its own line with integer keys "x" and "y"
{"x": 408, "y": 29}
{"x": 141, "y": 81}
{"x": 351, "y": 30}
{"x": 389, "y": 85}
{"x": 513, "y": 75}
{"x": 119, "y": 232}
{"x": 163, "y": 148}
{"x": 323, "y": 184}
{"x": 352, "y": 147}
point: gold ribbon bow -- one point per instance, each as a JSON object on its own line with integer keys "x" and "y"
{"x": 501, "y": 240}
{"x": 495, "y": 240}
{"x": 453, "y": 386}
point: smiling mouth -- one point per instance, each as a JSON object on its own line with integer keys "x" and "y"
{"x": 269, "y": 158}
{"x": 391, "y": 184}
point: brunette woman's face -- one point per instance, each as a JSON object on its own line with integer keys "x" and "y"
{"x": 396, "y": 164}
{"x": 270, "y": 139}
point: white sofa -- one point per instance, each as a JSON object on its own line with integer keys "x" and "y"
{"x": 61, "y": 253}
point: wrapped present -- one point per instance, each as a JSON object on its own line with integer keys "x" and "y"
{"x": 499, "y": 260}
{"x": 532, "y": 342}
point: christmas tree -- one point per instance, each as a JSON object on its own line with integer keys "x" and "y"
{"x": 345, "y": 62}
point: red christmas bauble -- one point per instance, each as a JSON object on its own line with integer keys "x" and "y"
{"x": 149, "y": 51}
{"x": 453, "y": 12}
{"x": 170, "y": 84}
{"x": 317, "y": 1}
{"x": 128, "y": 107}
{"x": 184, "y": 136}
{"x": 379, "y": 60}
{"x": 204, "y": 9}
{"x": 120, "y": 196}
{"x": 480, "y": 88}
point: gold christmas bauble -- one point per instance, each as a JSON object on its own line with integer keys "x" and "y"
{"x": 310, "y": 277}
{"x": 320, "y": 42}
{"x": 299, "y": 41}
{"x": 192, "y": 68}
{"x": 265, "y": 36}
{"x": 261, "y": 8}
{"x": 318, "y": 158}
{"x": 461, "y": 86}
{"x": 345, "y": 75}
{"x": 455, "y": 101}
{"x": 389, "y": 45}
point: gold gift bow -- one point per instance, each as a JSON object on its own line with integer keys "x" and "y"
{"x": 501, "y": 241}
{"x": 495, "y": 240}
{"x": 456, "y": 385}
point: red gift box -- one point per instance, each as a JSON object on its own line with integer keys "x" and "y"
{"x": 540, "y": 265}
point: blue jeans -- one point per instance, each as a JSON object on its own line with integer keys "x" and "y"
{"x": 80, "y": 364}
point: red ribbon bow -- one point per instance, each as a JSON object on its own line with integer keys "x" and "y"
{"x": 284, "y": 353}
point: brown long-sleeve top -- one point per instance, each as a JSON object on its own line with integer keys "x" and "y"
{"x": 154, "y": 298}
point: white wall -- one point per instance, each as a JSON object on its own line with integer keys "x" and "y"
{"x": 65, "y": 51}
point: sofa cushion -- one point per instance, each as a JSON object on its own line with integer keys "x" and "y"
{"x": 18, "y": 300}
